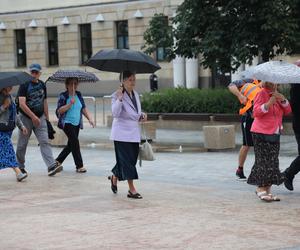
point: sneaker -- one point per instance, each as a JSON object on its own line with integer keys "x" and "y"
{"x": 21, "y": 176}
{"x": 56, "y": 168}
{"x": 240, "y": 174}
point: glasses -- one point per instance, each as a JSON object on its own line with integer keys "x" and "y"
{"x": 35, "y": 72}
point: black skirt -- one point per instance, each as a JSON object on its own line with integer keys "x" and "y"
{"x": 126, "y": 158}
{"x": 265, "y": 171}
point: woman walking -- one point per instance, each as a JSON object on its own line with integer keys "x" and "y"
{"x": 70, "y": 108}
{"x": 126, "y": 111}
{"x": 269, "y": 108}
{"x": 8, "y": 121}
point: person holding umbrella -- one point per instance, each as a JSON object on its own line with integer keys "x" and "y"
{"x": 70, "y": 108}
{"x": 126, "y": 111}
{"x": 269, "y": 108}
{"x": 8, "y": 121}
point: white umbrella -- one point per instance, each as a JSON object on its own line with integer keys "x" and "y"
{"x": 275, "y": 71}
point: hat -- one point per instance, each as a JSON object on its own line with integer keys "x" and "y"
{"x": 35, "y": 67}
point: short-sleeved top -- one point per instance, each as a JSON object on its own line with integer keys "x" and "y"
{"x": 73, "y": 115}
{"x": 35, "y": 94}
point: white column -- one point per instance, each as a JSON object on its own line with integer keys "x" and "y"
{"x": 191, "y": 69}
{"x": 179, "y": 71}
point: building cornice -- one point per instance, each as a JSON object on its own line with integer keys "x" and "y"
{"x": 106, "y": 4}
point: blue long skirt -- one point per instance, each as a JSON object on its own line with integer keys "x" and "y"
{"x": 126, "y": 157}
{"x": 7, "y": 152}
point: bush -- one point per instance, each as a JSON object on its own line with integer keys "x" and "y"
{"x": 182, "y": 100}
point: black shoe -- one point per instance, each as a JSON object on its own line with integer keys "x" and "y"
{"x": 240, "y": 174}
{"x": 56, "y": 168}
{"x": 23, "y": 171}
{"x": 114, "y": 188}
{"x": 288, "y": 183}
{"x": 134, "y": 196}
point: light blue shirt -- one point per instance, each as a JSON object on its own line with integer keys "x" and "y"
{"x": 73, "y": 114}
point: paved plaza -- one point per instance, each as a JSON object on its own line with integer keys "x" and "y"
{"x": 191, "y": 201}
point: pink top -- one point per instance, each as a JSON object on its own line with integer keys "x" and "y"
{"x": 268, "y": 121}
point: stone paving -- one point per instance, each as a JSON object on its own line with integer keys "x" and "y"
{"x": 191, "y": 201}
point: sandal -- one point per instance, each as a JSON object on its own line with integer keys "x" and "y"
{"x": 263, "y": 196}
{"x": 134, "y": 196}
{"x": 81, "y": 170}
{"x": 114, "y": 188}
{"x": 274, "y": 197}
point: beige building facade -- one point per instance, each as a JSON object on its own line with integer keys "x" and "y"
{"x": 62, "y": 34}
{"x": 32, "y": 20}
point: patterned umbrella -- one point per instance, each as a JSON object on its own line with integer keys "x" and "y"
{"x": 119, "y": 60}
{"x": 82, "y": 76}
{"x": 276, "y": 72}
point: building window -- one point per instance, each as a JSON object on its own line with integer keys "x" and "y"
{"x": 20, "y": 48}
{"x": 122, "y": 35}
{"x": 86, "y": 42}
{"x": 52, "y": 46}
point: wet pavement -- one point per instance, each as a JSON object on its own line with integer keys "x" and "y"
{"x": 191, "y": 200}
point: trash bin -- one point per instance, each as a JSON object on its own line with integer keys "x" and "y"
{"x": 153, "y": 82}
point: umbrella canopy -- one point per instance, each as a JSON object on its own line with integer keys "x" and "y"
{"x": 275, "y": 71}
{"x": 297, "y": 63}
{"x": 8, "y": 79}
{"x": 119, "y": 60}
{"x": 82, "y": 76}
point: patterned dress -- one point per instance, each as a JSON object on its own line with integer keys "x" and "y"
{"x": 7, "y": 152}
{"x": 265, "y": 171}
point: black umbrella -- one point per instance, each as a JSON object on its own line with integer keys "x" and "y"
{"x": 82, "y": 76}
{"x": 8, "y": 79}
{"x": 119, "y": 60}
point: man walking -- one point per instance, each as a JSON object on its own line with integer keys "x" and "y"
{"x": 295, "y": 104}
{"x": 33, "y": 107}
{"x": 245, "y": 90}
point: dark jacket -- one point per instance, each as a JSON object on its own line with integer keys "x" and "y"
{"x": 295, "y": 104}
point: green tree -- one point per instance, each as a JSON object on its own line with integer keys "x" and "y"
{"x": 228, "y": 33}
{"x": 159, "y": 35}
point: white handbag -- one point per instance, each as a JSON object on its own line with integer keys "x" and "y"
{"x": 146, "y": 151}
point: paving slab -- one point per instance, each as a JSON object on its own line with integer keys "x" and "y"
{"x": 191, "y": 201}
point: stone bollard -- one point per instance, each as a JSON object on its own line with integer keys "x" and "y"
{"x": 219, "y": 136}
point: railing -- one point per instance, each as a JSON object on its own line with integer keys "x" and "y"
{"x": 103, "y": 107}
{"x": 95, "y": 106}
